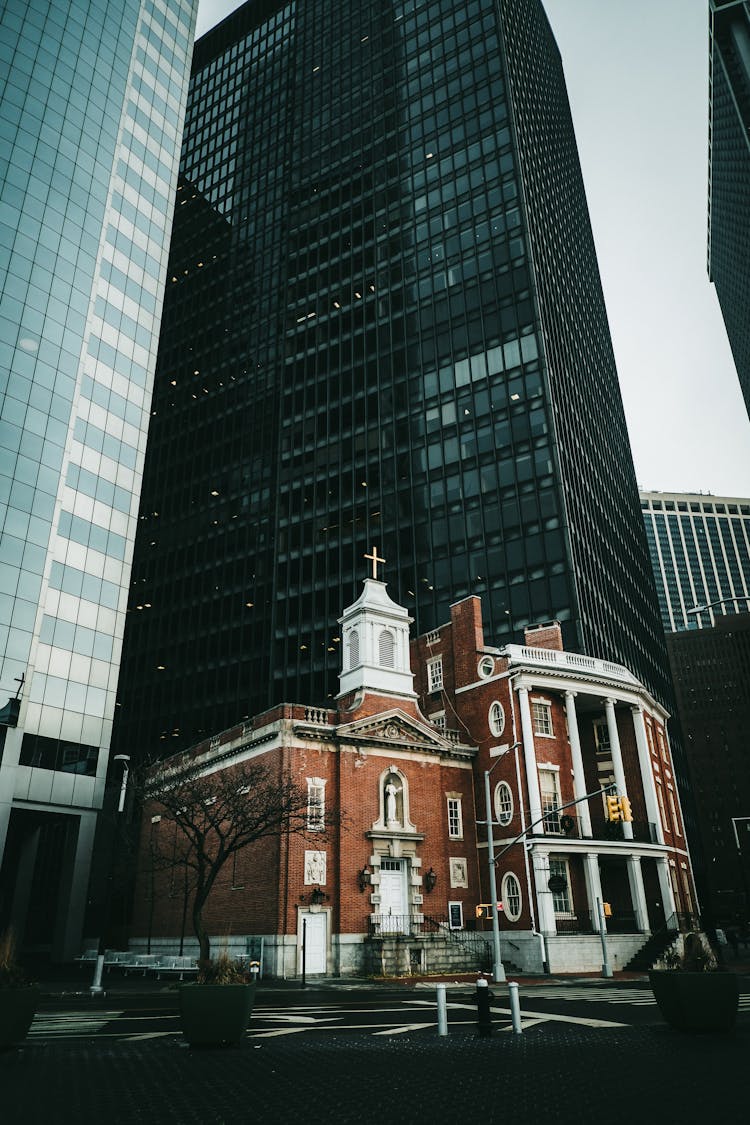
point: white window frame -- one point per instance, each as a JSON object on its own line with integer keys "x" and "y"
{"x": 437, "y": 718}
{"x": 565, "y": 910}
{"x": 603, "y": 745}
{"x": 455, "y": 915}
{"x": 504, "y": 809}
{"x": 486, "y": 667}
{"x": 316, "y": 804}
{"x": 550, "y": 810}
{"x": 455, "y": 818}
{"x": 435, "y": 674}
{"x": 506, "y": 897}
{"x": 541, "y": 718}
{"x": 496, "y": 718}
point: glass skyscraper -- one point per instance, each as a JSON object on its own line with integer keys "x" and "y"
{"x": 729, "y": 174}
{"x": 92, "y": 99}
{"x": 700, "y": 553}
{"x": 383, "y": 325}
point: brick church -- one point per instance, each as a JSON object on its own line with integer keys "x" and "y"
{"x": 422, "y": 731}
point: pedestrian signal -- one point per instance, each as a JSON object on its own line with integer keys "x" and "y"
{"x": 483, "y": 910}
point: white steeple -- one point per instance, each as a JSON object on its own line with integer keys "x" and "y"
{"x": 375, "y": 648}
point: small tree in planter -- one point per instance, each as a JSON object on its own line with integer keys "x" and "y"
{"x": 18, "y": 997}
{"x": 216, "y": 815}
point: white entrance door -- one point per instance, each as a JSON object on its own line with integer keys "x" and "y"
{"x": 394, "y": 906}
{"x": 314, "y": 932}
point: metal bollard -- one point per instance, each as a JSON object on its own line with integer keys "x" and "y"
{"x": 442, "y": 1010}
{"x": 96, "y": 988}
{"x": 515, "y": 1007}
{"x": 484, "y": 1016}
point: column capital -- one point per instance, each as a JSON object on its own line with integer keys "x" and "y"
{"x": 637, "y": 708}
{"x": 570, "y": 694}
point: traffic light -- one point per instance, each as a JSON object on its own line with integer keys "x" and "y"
{"x": 625, "y": 809}
{"x": 614, "y": 812}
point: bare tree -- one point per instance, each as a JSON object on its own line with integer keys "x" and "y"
{"x": 217, "y": 814}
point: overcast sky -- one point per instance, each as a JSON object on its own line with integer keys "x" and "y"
{"x": 637, "y": 75}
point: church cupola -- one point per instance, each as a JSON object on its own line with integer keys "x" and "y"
{"x": 375, "y": 642}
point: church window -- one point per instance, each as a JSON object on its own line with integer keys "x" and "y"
{"x": 316, "y": 803}
{"x": 541, "y": 714}
{"x": 353, "y": 648}
{"x": 455, "y": 819}
{"x": 497, "y": 719}
{"x": 511, "y": 896}
{"x": 435, "y": 674}
{"x": 386, "y": 649}
{"x": 503, "y": 803}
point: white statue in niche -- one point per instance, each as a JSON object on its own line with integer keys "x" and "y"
{"x": 315, "y": 868}
{"x": 391, "y": 802}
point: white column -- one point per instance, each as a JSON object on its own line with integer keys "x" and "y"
{"x": 529, "y": 759}
{"x": 665, "y": 885}
{"x": 544, "y": 904}
{"x": 638, "y": 893}
{"x": 614, "y": 742}
{"x": 647, "y": 773}
{"x": 579, "y": 779}
{"x": 593, "y": 885}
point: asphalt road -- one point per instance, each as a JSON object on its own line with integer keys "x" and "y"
{"x": 389, "y": 1013}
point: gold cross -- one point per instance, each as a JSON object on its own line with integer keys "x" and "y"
{"x": 375, "y": 560}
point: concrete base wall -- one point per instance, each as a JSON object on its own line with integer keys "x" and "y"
{"x": 358, "y": 955}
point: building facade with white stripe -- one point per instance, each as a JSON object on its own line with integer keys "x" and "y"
{"x": 700, "y": 553}
{"x": 91, "y": 117}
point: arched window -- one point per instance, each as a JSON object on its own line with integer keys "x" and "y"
{"x": 386, "y": 649}
{"x": 353, "y": 648}
{"x": 496, "y": 719}
{"x": 503, "y": 803}
{"x": 511, "y": 896}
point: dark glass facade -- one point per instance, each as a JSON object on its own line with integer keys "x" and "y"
{"x": 729, "y": 175}
{"x": 384, "y": 325}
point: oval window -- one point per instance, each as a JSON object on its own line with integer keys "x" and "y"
{"x": 503, "y": 803}
{"x": 511, "y": 896}
{"x": 497, "y": 719}
{"x": 486, "y": 667}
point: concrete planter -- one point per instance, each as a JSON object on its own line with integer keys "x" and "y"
{"x": 215, "y": 1015}
{"x": 696, "y": 1001}
{"x": 17, "y": 1009}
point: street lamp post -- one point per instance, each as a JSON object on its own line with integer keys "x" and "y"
{"x": 741, "y": 858}
{"x": 698, "y": 609}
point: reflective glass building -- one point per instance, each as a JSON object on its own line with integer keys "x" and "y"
{"x": 729, "y": 174}
{"x": 384, "y": 325}
{"x": 92, "y": 98}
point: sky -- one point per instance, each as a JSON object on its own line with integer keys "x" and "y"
{"x": 637, "y": 76}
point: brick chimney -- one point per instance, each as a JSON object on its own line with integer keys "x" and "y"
{"x": 546, "y": 635}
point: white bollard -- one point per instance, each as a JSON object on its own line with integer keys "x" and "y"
{"x": 442, "y": 1010}
{"x": 515, "y": 1007}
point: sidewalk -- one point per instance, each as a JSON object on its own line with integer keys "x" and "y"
{"x": 556, "y": 1074}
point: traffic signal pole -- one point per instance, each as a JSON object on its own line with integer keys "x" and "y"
{"x": 498, "y": 969}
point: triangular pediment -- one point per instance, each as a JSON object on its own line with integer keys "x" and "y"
{"x": 394, "y": 728}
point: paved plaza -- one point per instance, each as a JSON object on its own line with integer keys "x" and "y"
{"x": 556, "y": 1071}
